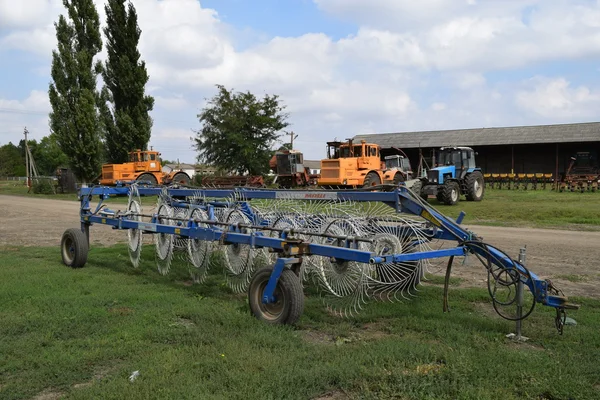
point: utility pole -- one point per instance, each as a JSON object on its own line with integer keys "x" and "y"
{"x": 25, "y": 132}
{"x": 292, "y": 137}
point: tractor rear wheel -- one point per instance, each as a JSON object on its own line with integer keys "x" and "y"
{"x": 147, "y": 178}
{"x": 372, "y": 179}
{"x": 475, "y": 186}
{"x": 450, "y": 193}
{"x": 181, "y": 178}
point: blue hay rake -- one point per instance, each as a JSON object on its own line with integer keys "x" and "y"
{"x": 355, "y": 245}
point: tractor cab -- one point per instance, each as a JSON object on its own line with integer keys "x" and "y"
{"x": 462, "y": 158}
{"x": 145, "y": 160}
{"x": 397, "y": 162}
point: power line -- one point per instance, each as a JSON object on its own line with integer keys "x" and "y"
{"x": 5, "y": 110}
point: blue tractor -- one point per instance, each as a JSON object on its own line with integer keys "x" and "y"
{"x": 454, "y": 175}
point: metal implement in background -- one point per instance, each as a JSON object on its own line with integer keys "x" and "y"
{"x": 355, "y": 245}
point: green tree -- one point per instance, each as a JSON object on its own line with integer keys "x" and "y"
{"x": 125, "y": 107}
{"x": 238, "y": 131}
{"x": 48, "y": 156}
{"x": 73, "y": 96}
{"x": 12, "y": 163}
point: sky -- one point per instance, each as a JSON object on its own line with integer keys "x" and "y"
{"x": 341, "y": 67}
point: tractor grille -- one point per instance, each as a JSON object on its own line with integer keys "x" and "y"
{"x": 330, "y": 169}
{"x": 432, "y": 176}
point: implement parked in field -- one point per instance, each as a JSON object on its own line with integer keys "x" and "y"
{"x": 355, "y": 244}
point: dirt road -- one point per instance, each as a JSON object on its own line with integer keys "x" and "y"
{"x": 570, "y": 258}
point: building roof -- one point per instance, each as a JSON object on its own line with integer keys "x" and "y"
{"x": 561, "y": 133}
{"x": 312, "y": 164}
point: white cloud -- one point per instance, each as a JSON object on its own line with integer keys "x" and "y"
{"x": 30, "y": 112}
{"x": 556, "y": 98}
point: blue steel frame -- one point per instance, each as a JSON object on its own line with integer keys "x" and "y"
{"x": 400, "y": 199}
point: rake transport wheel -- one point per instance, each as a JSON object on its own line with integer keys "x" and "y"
{"x": 147, "y": 178}
{"x": 181, "y": 178}
{"x": 475, "y": 186}
{"x": 450, "y": 193}
{"x": 74, "y": 248}
{"x": 372, "y": 179}
{"x": 289, "y": 302}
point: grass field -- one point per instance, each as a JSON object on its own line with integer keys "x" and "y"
{"x": 543, "y": 209}
{"x": 81, "y": 333}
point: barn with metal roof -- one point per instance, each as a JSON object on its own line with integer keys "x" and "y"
{"x": 518, "y": 149}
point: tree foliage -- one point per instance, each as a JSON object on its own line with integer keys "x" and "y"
{"x": 11, "y": 161}
{"x": 124, "y": 105}
{"x": 73, "y": 96}
{"x": 238, "y": 131}
{"x": 48, "y": 156}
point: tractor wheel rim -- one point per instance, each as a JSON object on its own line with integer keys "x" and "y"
{"x": 454, "y": 195}
{"x": 478, "y": 188}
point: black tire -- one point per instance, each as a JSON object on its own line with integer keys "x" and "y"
{"x": 290, "y": 297}
{"x": 440, "y": 194}
{"x": 147, "y": 178}
{"x": 450, "y": 193}
{"x": 398, "y": 178}
{"x": 181, "y": 178}
{"x": 74, "y": 248}
{"x": 475, "y": 186}
{"x": 372, "y": 179}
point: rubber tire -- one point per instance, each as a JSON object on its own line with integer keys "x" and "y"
{"x": 470, "y": 182}
{"x": 74, "y": 248}
{"x": 398, "y": 178}
{"x": 147, "y": 177}
{"x": 447, "y": 190}
{"x": 181, "y": 178}
{"x": 372, "y": 179}
{"x": 293, "y": 296}
{"x": 440, "y": 194}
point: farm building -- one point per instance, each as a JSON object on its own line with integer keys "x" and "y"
{"x": 520, "y": 149}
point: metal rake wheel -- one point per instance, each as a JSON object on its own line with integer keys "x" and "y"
{"x": 198, "y": 251}
{"x": 344, "y": 282}
{"x": 164, "y": 242}
{"x": 238, "y": 258}
{"x": 134, "y": 236}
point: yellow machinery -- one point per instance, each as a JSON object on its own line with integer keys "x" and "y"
{"x": 360, "y": 165}
{"x": 143, "y": 166}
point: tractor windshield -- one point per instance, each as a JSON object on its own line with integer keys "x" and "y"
{"x": 450, "y": 157}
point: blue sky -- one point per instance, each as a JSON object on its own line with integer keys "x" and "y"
{"x": 342, "y": 67}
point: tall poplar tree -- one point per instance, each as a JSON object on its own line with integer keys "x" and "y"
{"x": 125, "y": 107}
{"x": 74, "y": 118}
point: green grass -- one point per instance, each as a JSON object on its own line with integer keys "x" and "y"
{"x": 81, "y": 333}
{"x": 541, "y": 208}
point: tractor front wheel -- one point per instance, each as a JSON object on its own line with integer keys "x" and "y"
{"x": 147, "y": 178}
{"x": 289, "y": 297}
{"x": 372, "y": 179}
{"x": 450, "y": 193}
{"x": 475, "y": 186}
{"x": 181, "y": 178}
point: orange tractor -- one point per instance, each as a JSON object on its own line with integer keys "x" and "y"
{"x": 361, "y": 165}
{"x": 143, "y": 166}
